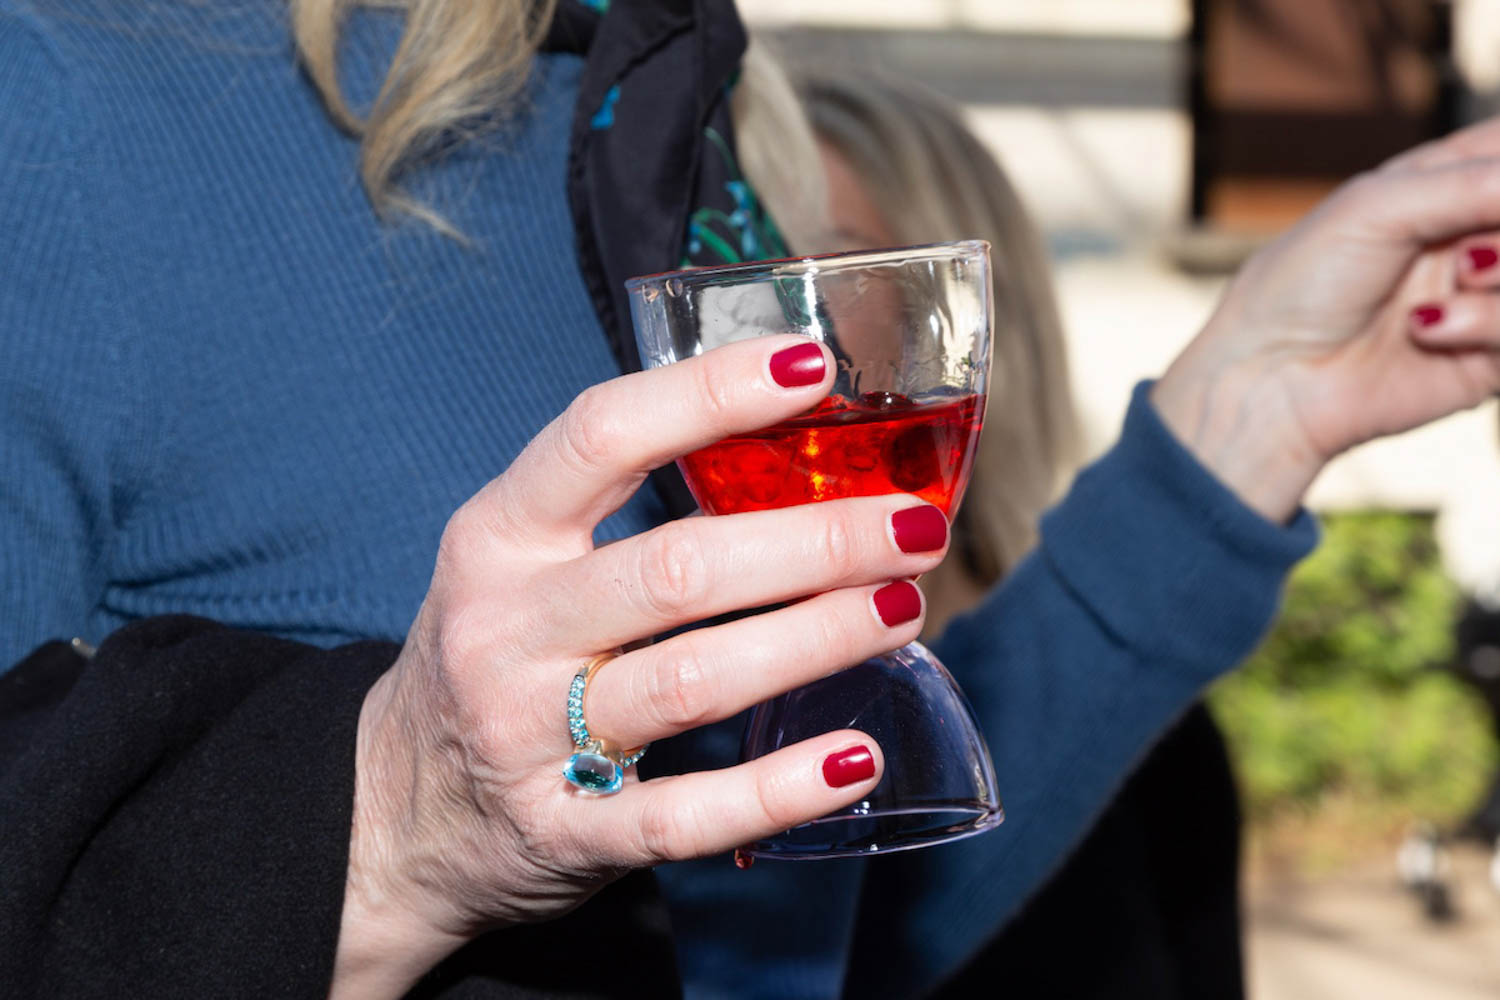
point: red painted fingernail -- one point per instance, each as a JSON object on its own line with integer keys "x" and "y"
{"x": 848, "y": 766}
{"x": 898, "y": 603}
{"x": 792, "y": 367}
{"x": 919, "y": 529}
{"x": 1482, "y": 258}
{"x": 1429, "y": 315}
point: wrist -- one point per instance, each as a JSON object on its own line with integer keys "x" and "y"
{"x": 387, "y": 938}
{"x": 1240, "y": 423}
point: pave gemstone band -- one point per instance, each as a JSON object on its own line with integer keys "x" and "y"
{"x": 598, "y": 767}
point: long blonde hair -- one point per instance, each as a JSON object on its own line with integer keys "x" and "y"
{"x": 933, "y": 181}
{"x": 459, "y": 62}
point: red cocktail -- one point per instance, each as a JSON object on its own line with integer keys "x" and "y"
{"x": 875, "y": 444}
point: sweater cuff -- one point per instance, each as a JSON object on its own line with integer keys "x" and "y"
{"x": 1173, "y": 564}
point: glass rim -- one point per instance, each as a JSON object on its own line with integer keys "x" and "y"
{"x": 813, "y": 263}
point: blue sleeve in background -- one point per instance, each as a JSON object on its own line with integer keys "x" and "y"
{"x": 1151, "y": 580}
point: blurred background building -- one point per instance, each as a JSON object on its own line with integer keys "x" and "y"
{"x": 1158, "y": 142}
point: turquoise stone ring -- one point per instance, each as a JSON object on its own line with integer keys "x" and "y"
{"x": 594, "y": 772}
{"x": 596, "y": 768}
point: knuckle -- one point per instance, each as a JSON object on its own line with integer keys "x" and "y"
{"x": 680, "y": 690}
{"x": 589, "y": 430}
{"x": 673, "y": 571}
{"x": 838, "y": 549}
{"x": 836, "y": 636}
{"x": 463, "y": 533}
{"x": 540, "y": 833}
{"x": 480, "y": 525}
{"x": 776, "y": 803}
{"x": 716, "y": 392}
{"x": 463, "y": 643}
{"x": 671, "y": 830}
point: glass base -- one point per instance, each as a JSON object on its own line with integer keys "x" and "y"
{"x": 852, "y": 834}
{"x": 939, "y": 782}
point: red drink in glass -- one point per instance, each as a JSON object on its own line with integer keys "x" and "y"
{"x": 879, "y": 443}
{"x": 913, "y": 323}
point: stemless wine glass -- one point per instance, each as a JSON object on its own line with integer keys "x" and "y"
{"x": 909, "y": 330}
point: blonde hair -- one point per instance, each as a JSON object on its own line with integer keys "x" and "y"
{"x": 934, "y": 182}
{"x": 459, "y": 62}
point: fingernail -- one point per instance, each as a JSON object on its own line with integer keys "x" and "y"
{"x": 848, "y": 766}
{"x": 1428, "y": 315}
{"x": 793, "y": 367}
{"x": 1482, "y": 258}
{"x": 919, "y": 529}
{"x": 898, "y": 603}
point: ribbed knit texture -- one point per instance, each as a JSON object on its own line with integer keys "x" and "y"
{"x": 225, "y": 388}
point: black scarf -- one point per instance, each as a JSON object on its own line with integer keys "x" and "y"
{"x": 652, "y": 180}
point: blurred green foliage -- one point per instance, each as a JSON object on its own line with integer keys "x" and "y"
{"x": 1348, "y": 696}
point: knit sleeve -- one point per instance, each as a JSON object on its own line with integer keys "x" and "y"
{"x": 64, "y": 412}
{"x": 1151, "y": 580}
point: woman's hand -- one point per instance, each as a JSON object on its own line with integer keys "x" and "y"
{"x": 1367, "y": 318}
{"x": 463, "y": 820}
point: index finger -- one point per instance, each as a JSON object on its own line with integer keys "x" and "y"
{"x": 585, "y": 464}
{"x": 1424, "y": 207}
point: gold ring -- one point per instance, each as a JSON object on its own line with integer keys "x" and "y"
{"x": 581, "y": 735}
{"x": 598, "y": 766}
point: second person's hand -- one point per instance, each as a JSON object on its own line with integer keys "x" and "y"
{"x": 1363, "y": 320}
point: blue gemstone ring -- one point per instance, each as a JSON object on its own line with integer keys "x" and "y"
{"x": 597, "y": 767}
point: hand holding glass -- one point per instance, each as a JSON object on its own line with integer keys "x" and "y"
{"x": 910, "y": 332}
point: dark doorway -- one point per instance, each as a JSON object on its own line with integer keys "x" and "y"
{"x": 1289, "y": 97}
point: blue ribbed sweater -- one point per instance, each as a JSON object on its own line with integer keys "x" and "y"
{"x": 226, "y": 390}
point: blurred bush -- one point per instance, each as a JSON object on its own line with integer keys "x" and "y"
{"x": 1349, "y": 698}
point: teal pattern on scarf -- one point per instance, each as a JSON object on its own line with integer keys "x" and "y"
{"x": 744, "y": 233}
